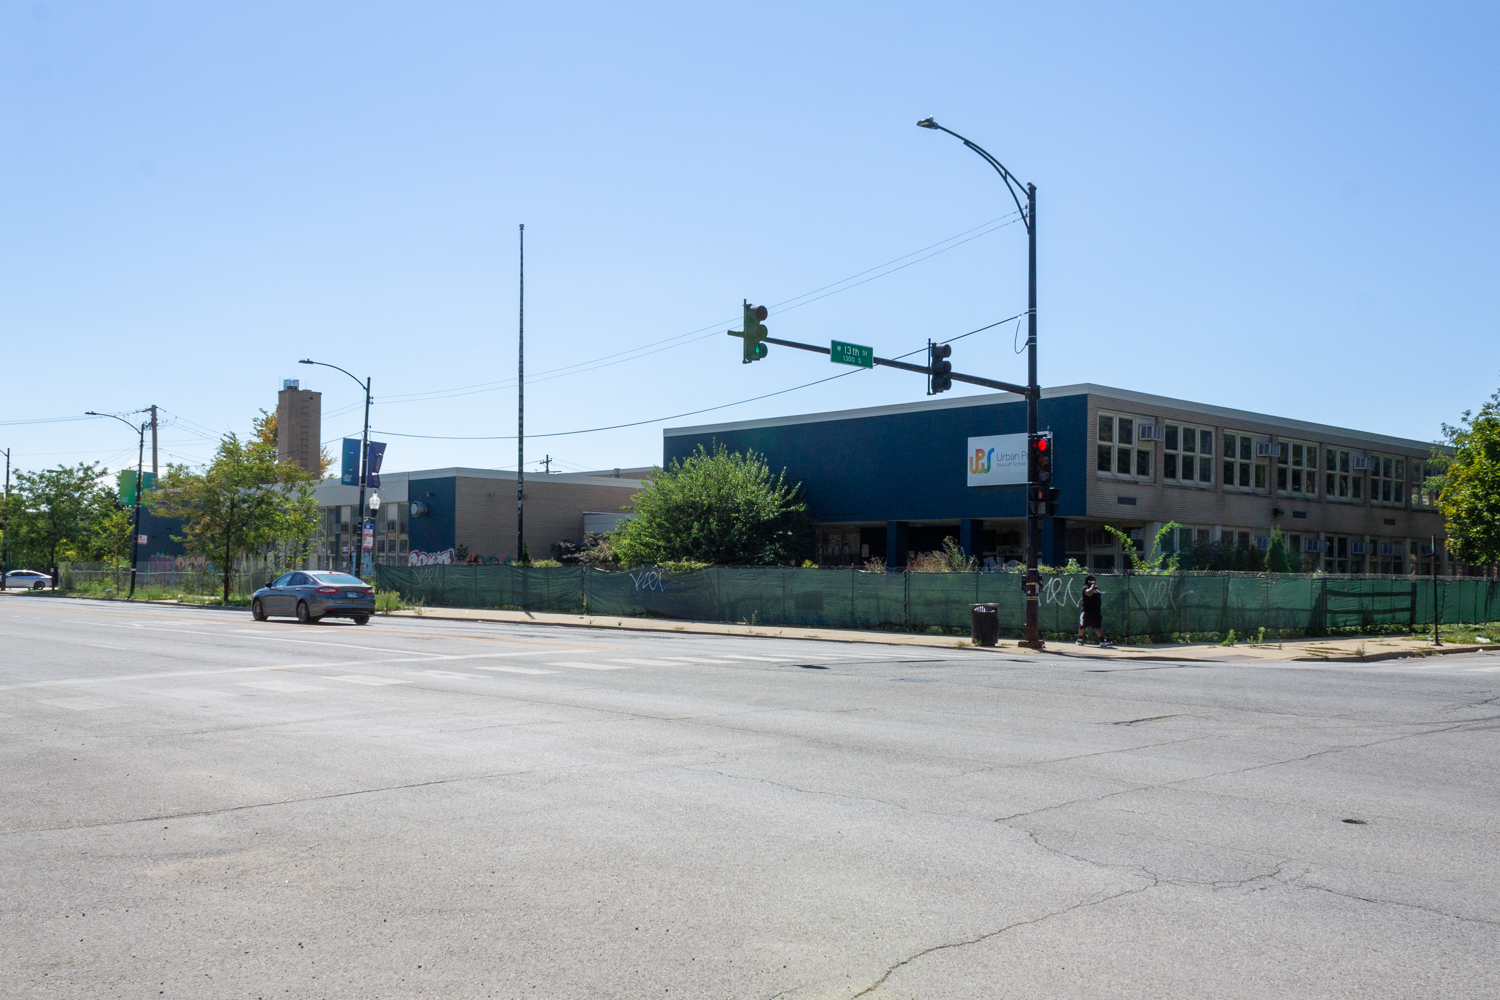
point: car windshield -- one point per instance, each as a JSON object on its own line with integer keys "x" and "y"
{"x": 338, "y": 579}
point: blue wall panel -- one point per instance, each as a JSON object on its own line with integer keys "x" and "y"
{"x": 909, "y": 466}
{"x": 437, "y": 530}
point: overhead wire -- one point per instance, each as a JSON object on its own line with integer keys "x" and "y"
{"x": 677, "y": 416}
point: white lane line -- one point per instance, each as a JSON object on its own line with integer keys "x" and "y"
{"x": 518, "y": 670}
{"x": 1481, "y": 670}
{"x": 642, "y": 663}
{"x": 760, "y": 659}
{"x": 283, "y": 686}
{"x": 583, "y": 666}
{"x": 78, "y": 704}
{"x": 371, "y": 679}
{"x": 266, "y": 638}
{"x": 692, "y": 659}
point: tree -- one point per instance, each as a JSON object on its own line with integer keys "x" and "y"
{"x": 716, "y": 507}
{"x": 242, "y": 501}
{"x": 1279, "y": 558}
{"x": 54, "y": 510}
{"x": 1468, "y": 484}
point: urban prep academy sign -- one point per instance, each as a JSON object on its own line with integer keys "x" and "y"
{"x": 999, "y": 460}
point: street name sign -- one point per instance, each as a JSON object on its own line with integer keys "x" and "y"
{"x": 852, "y": 354}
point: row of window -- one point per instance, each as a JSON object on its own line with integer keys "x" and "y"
{"x": 1125, "y": 447}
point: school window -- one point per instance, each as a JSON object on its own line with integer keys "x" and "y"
{"x": 1387, "y": 479}
{"x": 1421, "y": 494}
{"x": 1297, "y": 468}
{"x": 1187, "y": 454}
{"x": 1117, "y": 451}
{"x": 1241, "y": 468}
{"x": 1338, "y": 482}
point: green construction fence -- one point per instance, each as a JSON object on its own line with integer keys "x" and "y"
{"x": 1134, "y": 606}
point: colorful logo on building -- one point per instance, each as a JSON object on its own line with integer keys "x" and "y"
{"x": 997, "y": 460}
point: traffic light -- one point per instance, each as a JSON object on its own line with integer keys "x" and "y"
{"x": 1041, "y": 450}
{"x": 755, "y": 332}
{"x": 939, "y": 368}
{"x": 1043, "y": 500}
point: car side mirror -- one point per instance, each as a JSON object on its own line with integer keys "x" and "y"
{"x": 270, "y": 584}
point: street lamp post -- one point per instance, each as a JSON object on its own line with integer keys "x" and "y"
{"x": 140, "y": 460}
{"x": 364, "y": 462}
{"x": 1033, "y": 580}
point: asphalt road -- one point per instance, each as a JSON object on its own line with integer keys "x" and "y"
{"x": 197, "y": 805}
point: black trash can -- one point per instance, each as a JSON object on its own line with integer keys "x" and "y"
{"x": 984, "y": 624}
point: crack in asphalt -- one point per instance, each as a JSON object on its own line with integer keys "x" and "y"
{"x": 981, "y": 938}
{"x": 1242, "y": 770}
{"x": 1396, "y": 902}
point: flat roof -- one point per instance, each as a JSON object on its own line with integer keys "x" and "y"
{"x": 1083, "y": 388}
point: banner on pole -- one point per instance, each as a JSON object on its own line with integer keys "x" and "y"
{"x": 377, "y": 454}
{"x": 350, "y": 470}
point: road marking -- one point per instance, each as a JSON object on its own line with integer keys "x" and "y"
{"x": 642, "y": 663}
{"x": 283, "y": 686}
{"x": 1482, "y": 670}
{"x": 518, "y": 670}
{"x": 583, "y": 666}
{"x": 760, "y": 659}
{"x": 374, "y": 681}
{"x": 78, "y": 704}
{"x": 692, "y": 659}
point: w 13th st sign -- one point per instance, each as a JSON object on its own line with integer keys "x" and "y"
{"x": 999, "y": 460}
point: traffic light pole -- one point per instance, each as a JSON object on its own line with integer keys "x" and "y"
{"x": 988, "y": 383}
{"x": 1033, "y": 584}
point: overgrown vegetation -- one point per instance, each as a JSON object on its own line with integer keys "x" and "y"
{"x": 717, "y": 508}
{"x": 1468, "y": 484}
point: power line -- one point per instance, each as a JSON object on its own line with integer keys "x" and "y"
{"x": 714, "y": 330}
{"x": 690, "y": 413}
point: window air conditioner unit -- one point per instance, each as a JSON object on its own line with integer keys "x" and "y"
{"x": 1266, "y": 449}
{"x": 1262, "y": 542}
{"x": 1387, "y": 548}
{"x": 1150, "y": 432}
{"x": 1357, "y": 547}
{"x": 1312, "y": 545}
{"x": 1360, "y": 463}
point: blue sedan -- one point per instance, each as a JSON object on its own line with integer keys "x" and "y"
{"x": 310, "y": 595}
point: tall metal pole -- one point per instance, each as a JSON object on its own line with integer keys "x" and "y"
{"x": 364, "y": 473}
{"x": 154, "y": 470}
{"x": 135, "y": 534}
{"x": 1033, "y": 396}
{"x": 5, "y": 526}
{"x": 521, "y": 411}
{"x": 1031, "y": 585}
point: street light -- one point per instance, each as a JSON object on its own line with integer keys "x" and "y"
{"x": 135, "y": 533}
{"x": 1033, "y": 390}
{"x": 364, "y": 461}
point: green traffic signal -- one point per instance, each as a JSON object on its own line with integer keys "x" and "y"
{"x": 755, "y": 332}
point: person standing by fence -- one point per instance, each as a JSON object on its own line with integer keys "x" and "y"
{"x": 1092, "y": 613}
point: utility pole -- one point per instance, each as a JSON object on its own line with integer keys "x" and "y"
{"x": 547, "y": 463}
{"x": 154, "y": 470}
{"x": 5, "y": 526}
{"x": 521, "y": 411}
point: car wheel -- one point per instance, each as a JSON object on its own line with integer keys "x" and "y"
{"x": 305, "y": 616}
{"x": 257, "y": 610}
{"x": 361, "y": 619}
{"x": 38, "y": 585}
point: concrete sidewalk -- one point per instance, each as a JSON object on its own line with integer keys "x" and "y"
{"x": 1358, "y": 650}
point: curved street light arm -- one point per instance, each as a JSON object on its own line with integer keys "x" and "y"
{"x": 1010, "y": 179}
{"x": 310, "y": 361}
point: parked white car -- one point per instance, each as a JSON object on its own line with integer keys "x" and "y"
{"x": 27, "y": 579}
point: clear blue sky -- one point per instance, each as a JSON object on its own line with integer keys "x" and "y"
{"x": 1281, "y": 207}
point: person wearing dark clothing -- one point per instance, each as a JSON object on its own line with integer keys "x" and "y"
{"x": 1092, "y": 614}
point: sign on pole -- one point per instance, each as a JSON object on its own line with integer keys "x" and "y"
{"x": 852, "y": 354}
{"x": 350, "y": 471}
{"x": 997, "y": 460}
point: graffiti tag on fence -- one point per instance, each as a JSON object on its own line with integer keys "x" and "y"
{"x": 650, "y": 579}
{"x": 1060, "y": 591}
{"x": 1163, "y": 595}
